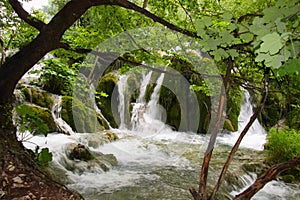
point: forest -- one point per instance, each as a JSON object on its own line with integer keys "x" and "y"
{"x": 147, "y": 99}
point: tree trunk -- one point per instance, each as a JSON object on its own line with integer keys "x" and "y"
{"x": 269, "y": 175}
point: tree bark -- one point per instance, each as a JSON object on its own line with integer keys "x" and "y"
{"x": 243, "y": 133}
{"x": 269, "y": 175}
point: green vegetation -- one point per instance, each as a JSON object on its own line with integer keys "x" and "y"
{"x": 283, "y": 145}
{"x": 35, "y": 119}
{"x": 43, "y": 157}
{"x": 247, "y": 41}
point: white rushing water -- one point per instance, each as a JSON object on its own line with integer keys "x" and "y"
{"x": 256, "y": 136}
{"x": 154, "y": 162}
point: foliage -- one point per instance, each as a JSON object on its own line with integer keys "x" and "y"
{"x": 14, "y": 32}
{"x": 35, "y": 119}
{"x": 43, "y": 157}
{"x": 283, "y": 145}
{"x": 57, "y": 76}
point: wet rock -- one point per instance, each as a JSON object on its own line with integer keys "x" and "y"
{"x": 81, "y": 118}
{"x": 83, "y": 160}
{"x": 111, "y": 136}
{"x": 80, "y": 152}
{"x": 38, "y": 97}
{"x": 107, "y": 84}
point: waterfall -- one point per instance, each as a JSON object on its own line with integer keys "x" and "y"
{"x": 147, "y": 118}
{"x": 153, "y": 109}
{"x": 256, "y": 135}
{"x": 56, "y": 113}
{"x": 145, "y": 81}
{"x": 122, "y": 101}
{"x": 139, "y": 107}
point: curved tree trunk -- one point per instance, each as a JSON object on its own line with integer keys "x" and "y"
{"x": 269, "y": 175}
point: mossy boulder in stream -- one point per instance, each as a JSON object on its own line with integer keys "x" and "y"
{"x": 80, "y": 152}
{"x": 35, "y": 119}
{"x": 80, "y": 117}
{"x": 80, "y": 159}
{"x": 38, "y": 97}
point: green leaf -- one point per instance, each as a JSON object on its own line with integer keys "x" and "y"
{"x": 290, "y": 67}
{"x": 271, "y": 14}
{"x": 220, "y": 54}
{"x": 233, "y": 53}
{"x": 207, "y": 21}
{"x": 281, "y": 28}
{"x": 227, "y": 38}
{"x": 200, "y": 25}
{"x": 247, "y": 37}
{"x": 275, "y": 61}
{"x": 271, "y": 43}
{"x": 227, "y": 16}
{"x": 261, "y": 57}
{"x": 44, "y": 157}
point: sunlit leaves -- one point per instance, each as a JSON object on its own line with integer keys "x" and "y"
{"x": 271, "y": 14}
{"x": 247, "y": 37}
{"x": 289, "y": 68}
{"x": 271, "y": 43}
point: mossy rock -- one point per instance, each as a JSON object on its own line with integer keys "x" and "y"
{"x": 83, "y": 160}
{"x": 228, "y": 125}
{"x": 86, "y": 120}
{"x": 107, "y": 84}
{"x": 38, "y": 97}
{"x": 288, "y": 178}
{"x": 111, "y": 136}
{"x": 35, "y": 119}
{"x": 80, "y": 152}
{"x": 233, "y": 108}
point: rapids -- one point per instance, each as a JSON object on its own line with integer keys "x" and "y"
{"x": 156, "y": 162}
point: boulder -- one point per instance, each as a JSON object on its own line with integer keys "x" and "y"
{"x": 35, "y": 119}
{"x": 86, "y": 120}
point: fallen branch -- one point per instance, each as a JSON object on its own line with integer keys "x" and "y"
{"x": 269, "y": 175}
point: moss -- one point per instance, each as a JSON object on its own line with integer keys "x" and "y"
{"x": 233, "y": 108}
{"x": 111, "y": 136}
{"x": 288, "y": 178}
{"x": 272, "y": 109}
{"x": 228, "y": 125}
{"x": 86, "y": 120}
{"x": 35, "y": 119}
{"x": 107, "y": 84}
{"x": 38, "y": 97}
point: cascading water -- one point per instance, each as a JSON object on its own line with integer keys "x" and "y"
{"x": 62, "y": 125}
{"x": 154, "y": 162}
{"x": 139, "y": 107}
{"x": 122, "y": 101}
{"x": 256, "y": 135}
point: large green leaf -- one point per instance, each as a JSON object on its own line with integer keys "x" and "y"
{"x": 271, "y": 43}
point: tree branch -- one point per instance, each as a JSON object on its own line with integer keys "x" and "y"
{"x": 269, "y": 175}
{"x": 132, "y": 6}
{"x": 24, "y": 15}
{"x": 145, "y": 4}
{"x": 243, "y": 133}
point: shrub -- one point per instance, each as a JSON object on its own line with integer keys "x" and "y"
{"x": 283, "y": 145}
